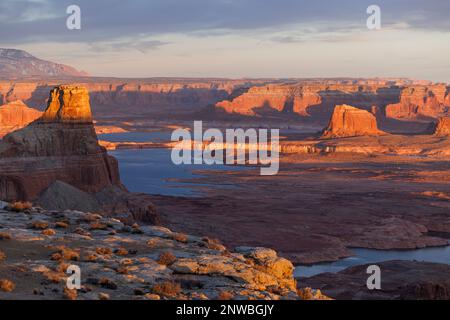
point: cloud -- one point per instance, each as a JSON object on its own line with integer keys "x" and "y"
{"x": 107, "y": 20}
{"x": 142, "y": 46}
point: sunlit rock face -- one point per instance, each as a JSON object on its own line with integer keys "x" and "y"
{"x": 68, "y": 104}
{"x": 16, "y": 115}
{"x": 421, "y": 103}
{"x": 348, "y": 121}
{"x": 61, "y": 145}
{"x": 443, "y": 127}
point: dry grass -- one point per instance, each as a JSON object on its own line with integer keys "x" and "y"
{"x": 7, "y": 285}
{"x": 103, "y": 250}
{"x": 64, "y": 253}
{"x": 20, "y": 206}
{"x": 213, "y": 244}
{"x": 70, "y": 294}
{"x": 48, "y": 232}
{"x": 121, "y": 252}
{"x": 167, "y": 289}
{"x": 166, "y": 258}
{"x": 39, "y": 225}
{"x": 180, "y": 237}
{"x": 98, "y": 226}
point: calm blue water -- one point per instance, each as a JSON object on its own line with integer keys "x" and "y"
{"x": 157, "y": 136}
{"x": 152, "y": 171}
{"x": 365, "y": 256}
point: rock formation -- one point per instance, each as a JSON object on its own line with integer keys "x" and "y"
{"x": 348, "y": 121}
{"x": 16, "y": 115}
{"x": 143, "y": 262}
{"x": 61, "y": 145}
{"x": 442, "y": 127}
{"x": 421, "y": 103}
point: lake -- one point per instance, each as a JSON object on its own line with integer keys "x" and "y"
{"x": 152, "y": 171}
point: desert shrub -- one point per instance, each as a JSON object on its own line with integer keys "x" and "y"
{"x": 166, "y": 259}
{"x": 167, "y": 289}
{"x": 19, "y": 206}
{"x": 7, "y": 285}
{"x": 180, "y": 237}
{"x": 2, "y": 256}
{"x": 121, "y": 252}
{"x": 103, "y": 250}
{"x": 39, "y": 225}
{"x": 48, "y": 232}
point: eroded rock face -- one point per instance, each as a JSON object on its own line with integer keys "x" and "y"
{"x": 16, "y": 115}
{"x": 421, "y": 103}
{"x": 61, "y": 145}
{"x": 443, "y": 127}
{"x": 348, "y": 121}
{"x": 68, "y": 104}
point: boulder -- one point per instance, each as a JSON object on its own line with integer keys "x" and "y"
{"x": 348, "y": 121}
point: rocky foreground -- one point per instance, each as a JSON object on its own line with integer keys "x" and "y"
{"x": 118, "y": 261}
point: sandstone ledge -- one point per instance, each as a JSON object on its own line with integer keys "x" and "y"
{"x": 124, "y": 262}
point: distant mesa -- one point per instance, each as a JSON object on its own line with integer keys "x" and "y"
{"x": 18, "y": 64}
{"x": 16, "y": 115}
{"x": 348, "y": 121}
{"x": 442, "y": 127}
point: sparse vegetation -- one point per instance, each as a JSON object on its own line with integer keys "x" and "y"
{"x": 103, "y": 250}
{"x": 180, "y": 237}
{"x": 7, "y": 285}
{"x": 48, "y": 232}
{"x": 2, "y": 256}
{"x": 19, "y": 206}
{"x": 166, "y": 258}
{"x": 167, "y": 289}
{"x": 39, "y": 225}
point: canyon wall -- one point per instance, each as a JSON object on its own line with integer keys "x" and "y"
{"x": 16, "y": 115}
{"x": 113, "y": 97}
{"x": 421, "y": 103}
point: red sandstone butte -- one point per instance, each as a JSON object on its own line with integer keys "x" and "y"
{"x": 348, "y": 121}
{"x": 16, "y": 115}
{"x": 443, "y": 127}
{"x": 61, "y": 145}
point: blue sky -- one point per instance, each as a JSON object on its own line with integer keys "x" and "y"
{"x": 235, "y": 38}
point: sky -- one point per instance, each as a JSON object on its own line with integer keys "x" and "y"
{"x": 235, "y": 38}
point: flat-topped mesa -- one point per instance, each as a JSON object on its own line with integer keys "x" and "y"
{"x": 442, "y": 127}
{"x": 348, "y": 121}
{"x": 68, "y": 104}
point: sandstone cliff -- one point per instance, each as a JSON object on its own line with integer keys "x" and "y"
{"x": 16, "y": 115}
{"x": 421, "y": 103}
{"x": 348, "y": 121}
{"x": 443, "y": 127}
{"x": 61, "y": 145}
